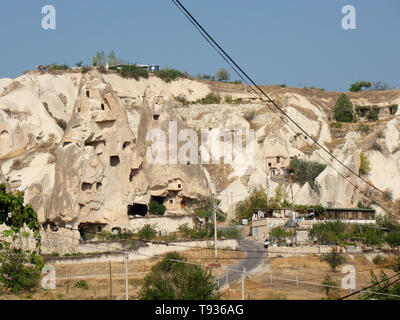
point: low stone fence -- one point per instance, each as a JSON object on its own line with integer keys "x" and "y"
{"x": 143, "y": 252}
{"x": 164, "y": 224}
{"x": 305, "y": 250}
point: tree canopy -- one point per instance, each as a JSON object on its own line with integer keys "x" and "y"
{"x": 343, "y": 109}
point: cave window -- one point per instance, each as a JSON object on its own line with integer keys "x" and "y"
{"x": 132, "y": 174}
{"x": 98, "y": 186}
{"x": 269, "y": 164}
{"x": 114, "y": 161}
{"x": 171, "y": 201}
{"x": 278, "y": 159}
{"x": 102, "y": 106}
{"x": 160, "y": 200}
{"x": 66, "y": 143}
{"x": 188, "y": 163}
{"x": 87, "y": 93}
{"x": 125, "y": 145}
{"x": 86, "y": 186}
{"x": 99, "y": 228}
{"x": 137, "y": 209}
{"x": 156, "y": 116}
{"x": 179, "y": 186}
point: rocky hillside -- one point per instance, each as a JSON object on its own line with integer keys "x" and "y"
{"x": 76, "y": 145}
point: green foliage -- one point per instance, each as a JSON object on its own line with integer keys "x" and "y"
{"x": 113, "y": 60}
{"x": 133, "y": 71}
{"x": 211, "y": 98}
{"x": 233, "y": 231}
{"x": 382, "y": 285}
{"x": 182, "y": 99}
{"x": 372, "y": 115}
{"x": 247, "y": 207}
{"x": 306, "y": 171}
{"x": 123, "y": 234}
{"x": 79, "y": 64}
{"x": 337, "y": 125}
{"x": 343, "y": 110}
{"x": 368, "y": 234}
{"x": 364, "y": 164}
{"x": 203, "y": 207}
{"x": 393, "y": 108}
{"x": 280, "y": 234}
{"x": 228, "y": 99}
{"x": 329, "y": 285}
{"x": 198, "y": 232}
{"x": 56, "y": 67}
{"x": 328, "y": 233}
{"x": 363, "y": 128}
{"x": 169, "y": 74}
{"x": 82, "y": 284}
{"x": 334, "y": 259}
{"x": 393, "y": 239}
{"x": 379, "y": 260}
{"x": 99, "y": 59}
{"x": 173, "y": 280}
{"x": 156, "y": 208}
{"x": 222, "y": 75}
{"x": 357, "y": 86}
{"x": 148, "y": 232}
{"x": 18, "y": 271}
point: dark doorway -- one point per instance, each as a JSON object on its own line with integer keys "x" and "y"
{"x": 160, "y": 200}
{"x": 137, "y": 209}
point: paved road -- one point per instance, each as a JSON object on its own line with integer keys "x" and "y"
{"x": 255, "y": 254}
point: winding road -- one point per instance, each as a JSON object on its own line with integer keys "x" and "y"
{"x": 255, "y": 254}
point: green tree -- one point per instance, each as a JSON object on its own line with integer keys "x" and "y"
{"x": 79, "y": 64}
{"x": 113, "y": 60}
{"x": 280, "y": 234}
{"x": 329, "y": 285}
{"x": 306, "y": 171}
{"x": 334, "y": 259}
{"x": 222, "y": 75}
{"x": 372, "y": 115}
{"x": 247, "y": 207}
{"x": 328, "y": 233}
{"x": 148, "y": 232}
{"x": 171, "y": 279}
{"x": 203, "y": 207}
{"x": 343, "y": 110}
{"x": 357, "y": 86}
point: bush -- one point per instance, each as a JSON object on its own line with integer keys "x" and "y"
{"x": 133, "y": 71}
{"x": 81, "y": 284}
{"x": 211, "y": 98}
{"x": 173, "y": 280}
{"x": 329, "y": 285}
{"x": 393, "y": 239}
{"x": 148, "y": 232}
{"x": 233, "y": 232}
{"x": 169, "y": 74}
{"x": 363, "y": 128}
{"x": 343, "y": 110}
{"x": 56, "y": 66}
{"x": 364, "y": 164}
{"x": 328, "y": 233}
{"x": 280, "y": 234}
{"x": 337, "y": 125}
{"x": 356, "y": 87}
{"x": 372, "y": 115}
{"x": 156, "y": 208}
{"x": 182, "y": 99}
{"x": 306, "y": 171}
{"x": 379, "y": 260}
{"x": 198, "y": 232}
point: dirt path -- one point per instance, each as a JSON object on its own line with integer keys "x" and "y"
{"x": 255, "y": 254}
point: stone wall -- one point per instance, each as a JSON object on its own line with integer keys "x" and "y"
{"x": 305, "y": 250}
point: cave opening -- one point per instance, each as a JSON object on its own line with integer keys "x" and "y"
{"x": 137, "y": 209}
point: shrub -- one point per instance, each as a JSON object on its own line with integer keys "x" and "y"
{"x": 82, "y": 284}
{"x": 393, "y": 239}
{"x": 280, "y": 233}
{"x": 182, "y": 99}
{"x": 393, "y": 108}
{"x": 372, "y": 115}
{"x": 156, "y": 208}
{"x": 379, "y": 260}
{"x": 169, "y": 74}
{"x": 343, "y": 110}
{"x": 198, "y": 232}
{"x": 233, "y": 232}
{"x": 363, "y": 128}
{"x": 306, "y": 171}
{"x": 334, "y": 259}
{"x": 148, "y": 232}
{"x": 380, "y": 135}
{"x": 328, "y": 233}
{"x": 376, "y": 146}
{"x": 364, "y": 164}
{"x": 211, "y": 98}
{"x": 133, "y": 71}
{"x": 56, "y": 66}
{"x": 171, "y": 279}
{"x": 329, "y": 285}
{"x": 228, "y": 99}
{"x": 337, "y": 125}
{"x": 356, "y": 87}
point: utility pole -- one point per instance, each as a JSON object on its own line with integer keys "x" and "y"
{"x": 110, "y": 282}
{"x": 243, "y": 284}
{"x": 215, "y": 229}
{"x": 126, "y": 275}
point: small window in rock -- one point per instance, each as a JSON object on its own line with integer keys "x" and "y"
{"x": 114, "y": 161}
{"x": 171, "y": 201}
{"x": 86, "y": 186}
{"x": 179, "y": 186}
{"x": 66, "y": 143}
{"x": 99, "y": 228}
{"x": 278, "y": 159}
{"x": 188, "y": 163}
{"x": 125, "y": 145}
{"x": 98, "y": 186}
{"x": 87, "y": 93}
{"x": 156, "y": 116}
{"x": 269, "y": 164}
{"x": 102, "y": 106}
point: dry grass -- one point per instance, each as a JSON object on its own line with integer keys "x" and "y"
{"x": 97, "y": 276}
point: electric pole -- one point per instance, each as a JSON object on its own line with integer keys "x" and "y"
{"x": 215, "y": 229}
{"x": 126, "y": 276}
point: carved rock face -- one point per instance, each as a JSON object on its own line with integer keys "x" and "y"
{"x": 101, "y": 171}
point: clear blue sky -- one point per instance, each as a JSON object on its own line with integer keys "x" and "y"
{"x": 297, "y": 42}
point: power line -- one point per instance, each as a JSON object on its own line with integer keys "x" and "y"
{"x": 234, "y": 65}
{"x": 393, "y": 282}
